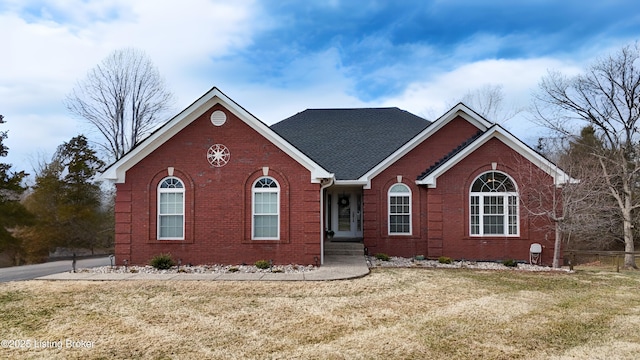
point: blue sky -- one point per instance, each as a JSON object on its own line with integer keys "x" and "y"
{"x": 276, "y": 58}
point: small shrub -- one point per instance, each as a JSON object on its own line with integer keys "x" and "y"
{"x": 382, "y": 256}
{"x": 262, "y": 264}
{"x": 162, "y": 262}
{"x": 510, "y": 263}
{"x": 233, "y": 269}
{"x": 445, "y": 260}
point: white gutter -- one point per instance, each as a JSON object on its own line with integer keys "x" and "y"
{"x": 322, "y": 232}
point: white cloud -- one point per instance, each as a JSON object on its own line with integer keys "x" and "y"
{"x": 53, "y": 45}
{"x": 519, "y": 78}
{"x": 199, "y": 44}
{"x": 313, "y": 81}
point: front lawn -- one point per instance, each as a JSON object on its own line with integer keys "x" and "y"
{"x": 390, "y": 314}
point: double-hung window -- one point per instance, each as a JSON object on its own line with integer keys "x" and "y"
{"x": 494, "y": 206}
{"x": 399, "y": 210}
{"x": 266, "y": 209}
{"x": 171, "y": 209}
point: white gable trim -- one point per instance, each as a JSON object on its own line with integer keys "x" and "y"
{"x": 459, "y": 110}
{"x": 117, "y": 171}
{"x": 559, "y": 176}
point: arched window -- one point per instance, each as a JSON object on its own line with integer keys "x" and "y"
{"x": 171, "y": 209}
{"x": 399, "y": 206}
{"x": 266, "y": 209}
{"x": 494, "y": 205}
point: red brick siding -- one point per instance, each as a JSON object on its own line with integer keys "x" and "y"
{"x": 218, "y": 200}
{"x": 441, "y": 214}
{"x": 411, "y": 165}
{"x": 454, "y": 187}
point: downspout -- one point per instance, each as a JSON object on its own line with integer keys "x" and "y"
{"x": 325, "y": 184}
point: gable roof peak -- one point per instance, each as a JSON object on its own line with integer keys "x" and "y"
{"x": 117, "y": 171}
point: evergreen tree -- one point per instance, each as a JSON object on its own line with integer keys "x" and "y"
{"x": 67, "y": 201}
{"x": 12, "y": 213}
{"x": 596, "y": 224}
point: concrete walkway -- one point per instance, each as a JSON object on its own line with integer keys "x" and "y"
{"x": 336, "y": 267}
{"x": 34, "y": 271}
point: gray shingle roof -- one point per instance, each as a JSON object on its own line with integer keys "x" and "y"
{"x": 451, "y": 154}
{"x": 349, "y": 142}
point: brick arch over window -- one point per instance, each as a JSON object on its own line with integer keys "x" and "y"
{"x": 385, "y": 209}
{"x": 171, "y": 209}
{"x": 283, "y": 214}
{"x": 494, "y": 208}
{"x": 399, "y": 209}
{"x": 154, "y": 190}
{"x": 265, "y": 207}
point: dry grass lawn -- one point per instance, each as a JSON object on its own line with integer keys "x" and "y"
{"x": 390, "y": 314}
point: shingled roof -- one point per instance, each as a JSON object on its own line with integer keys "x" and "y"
{"x": 349, "y": 142}
{"x": 451, "y": 154}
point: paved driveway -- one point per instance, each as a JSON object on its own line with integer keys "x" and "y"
{"x": 28, "y": 272}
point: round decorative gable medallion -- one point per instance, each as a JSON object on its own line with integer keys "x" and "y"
{"x": 218, "y": 155}
{"x": 218, "y": 118}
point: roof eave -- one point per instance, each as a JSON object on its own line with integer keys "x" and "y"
{"x": 559, "y": 176}
{"x": 351, "y": 182}
{"x": 117, "y": 171}
{"x": 459, "y": 110}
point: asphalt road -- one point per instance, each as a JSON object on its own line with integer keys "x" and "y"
{"x": 28, "y": 272}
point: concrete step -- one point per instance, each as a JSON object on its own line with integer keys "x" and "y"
{"x": 343, "y": 248}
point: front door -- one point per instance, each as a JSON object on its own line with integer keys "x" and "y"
{"x": 346, "y": 213}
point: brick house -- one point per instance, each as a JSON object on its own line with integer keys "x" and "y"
{"x": 217, "y": 185}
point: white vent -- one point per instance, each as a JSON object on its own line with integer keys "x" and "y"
{"x": 218, "y": 118}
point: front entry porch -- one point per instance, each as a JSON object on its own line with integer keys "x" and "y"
{"x": 343, "y": 213}
{"x": 336, "y": 248}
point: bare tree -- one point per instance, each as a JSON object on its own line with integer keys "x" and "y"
{"x": 607, "y": 97}
{"x": 595, "y": 223}
{"x": 575, "y": 208}
{"x": 488, "y": 101}
{"x": 124, "y": 97}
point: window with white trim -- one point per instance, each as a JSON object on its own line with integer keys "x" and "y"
{"x": 494, "y": 206}
{"x": 266, "y": 209}
{"x": 171, "y": 209}
{"x": 399, "y": 210}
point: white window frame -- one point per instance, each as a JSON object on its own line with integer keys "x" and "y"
{"x": 255, "y": 190}
{"x": 399, "y": 194}
{"x": 172, "y": 190}
{"x": 510, "y": 211}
